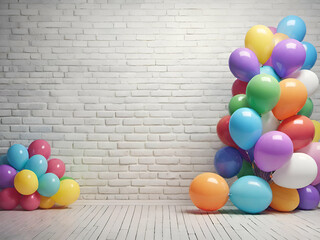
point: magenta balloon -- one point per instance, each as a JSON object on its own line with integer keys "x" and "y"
{"x": 309, "y": 198}
{"x": 272, "y": 151}
{"x": 244, "y": 64}
{"x": 313, "y": 150}
{"x": 268, "y": 63}
{"x": 288, "y": 57}
{"x": 273, "y": 30}
{"x": 7, "y": 174}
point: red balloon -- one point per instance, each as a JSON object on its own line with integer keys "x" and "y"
{"x": 41, "y": 147}
{"x": 30, "y": 202}
{"x": 300, "y": 129}
{"x": 223, "y": 132}
{"x": 239, "y": 87}
{"x": 9, "y": 198}
{"x": 57, "y": 167}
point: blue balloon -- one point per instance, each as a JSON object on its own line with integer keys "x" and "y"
{"x": 37, "y": 164}
{"x": 228, "y": 162}
{"x": 49, "y": 185}
{"x": 17, "y": 156}
{"x": 293, "y": 26}
{"x": 311, "y": 55}
{"x": 4, "y": 160}
{"x": 269, "y": 70}
{"x": 251, "y": 194}
{"x": 251, "y": 153}
{"x": 245, "y": 127}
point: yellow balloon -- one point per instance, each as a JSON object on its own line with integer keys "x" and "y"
{"x": 46, "y": 202}
{"x": 278, "y": 37}
{"x": 26, "y": 182}
{"x": 316, "y": 137}
{"x": 284, "y": 199}
{"x": 68, "y": 192}
{"x": 259, "y": 39}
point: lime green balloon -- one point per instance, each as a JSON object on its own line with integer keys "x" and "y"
{"x": 65, "y": 177}
{"x": 246, "y": 169}
{"x": 307, "y": 108}
{"x": 236, "y": 102}
{"x": 263, "y": 93}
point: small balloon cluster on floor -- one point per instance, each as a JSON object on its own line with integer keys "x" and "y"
{"x": 28, "y": 178}
{"x": 273, "y": 146}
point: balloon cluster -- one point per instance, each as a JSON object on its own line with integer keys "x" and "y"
{"x": 273, "y": 146}
{"x": 28, "y": 178}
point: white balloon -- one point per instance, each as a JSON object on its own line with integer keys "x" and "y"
{"x": 298, "y": 172}
{"x": 308, "y": 78}
{"x": 269, "y": 122}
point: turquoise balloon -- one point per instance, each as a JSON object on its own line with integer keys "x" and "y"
{"x": 292, "y": 26}
{"x": 4, "y": 160}
{"x": 17, "y": 156}
{"x": 251, "y": 194}
{"x": 49, "y": 185}
{"x": 311, "y": 55}
{"x": 37, "y": 164}
{"x": 269, "y": 70}
{"x": 245, "y": 127}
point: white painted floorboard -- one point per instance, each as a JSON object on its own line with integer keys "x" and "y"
{"x": 123, "y": 220}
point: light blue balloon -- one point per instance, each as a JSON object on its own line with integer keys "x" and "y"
{"x": 49, "y": 185}
{"x": 311, "y": 55}
{"x": 4, "y": 160}
{"x": 17, "y": 156}
{"x": 245, "y": 127}
{"x": 251, "y": 194}
{"x": 269, "y": 70}
{"x": 293, "y": 26}
{"x": 37, "y": 164}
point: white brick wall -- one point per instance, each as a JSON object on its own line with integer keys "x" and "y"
{"x": 128, "y": 92}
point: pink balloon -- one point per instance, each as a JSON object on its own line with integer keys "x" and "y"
{"x": 57, "y": 167}
{"x": 30, "y": 202}
{"x": 273, "y": 30}
{"x": 41, "y": 147}
{"x": 268, "y": 63}
{"x": 272, "y": 151}
{"x": 9, "y": 198}
{"x": 313, "y": 150}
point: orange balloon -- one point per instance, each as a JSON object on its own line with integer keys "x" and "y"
{"x": 278, "y": 37}
{"x": 284, "y": 199}
{"x": 292, "y": 98}
{"x": 46, "y": 202}
{"x": 209, "y": 191}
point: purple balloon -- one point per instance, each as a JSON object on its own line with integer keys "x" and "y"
{"x": 288, "y": 57}
{"x": 244, "y": 64}
{"x": 272, "y": 151}
{"x": 309, "y": 198}
{"x": 318, "y": 187}
{"x": 244, "y": 155}
{"x": 7, "y": 174}
{"x": 273, "y": 30}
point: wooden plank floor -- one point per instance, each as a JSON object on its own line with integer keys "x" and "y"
{"x": 155, "y": 220}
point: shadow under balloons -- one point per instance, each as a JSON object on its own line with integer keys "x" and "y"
{"x": 221, "y": 211}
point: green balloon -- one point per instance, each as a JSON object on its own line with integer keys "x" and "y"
{"x": 246, "y": 169}
{"x": 263, "y": 93}
{"x": 236, "y": 102}
{"x": 307, "y": 108}
{"x": 65, "y": 177}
